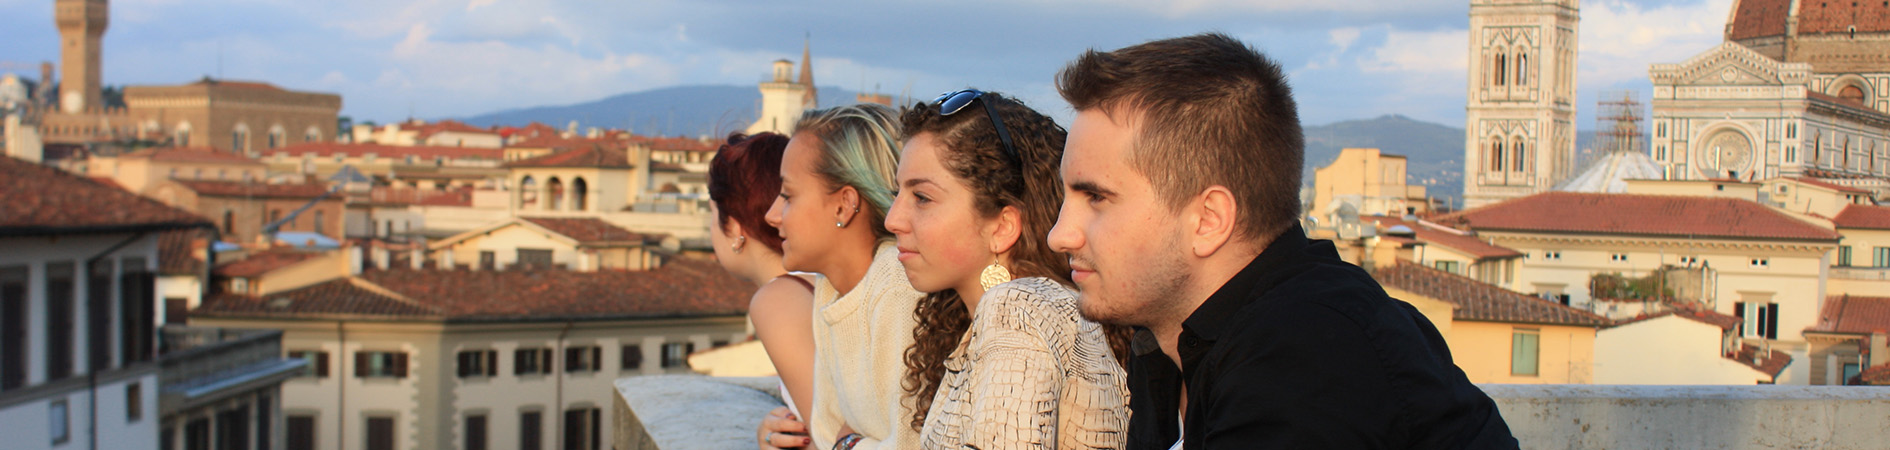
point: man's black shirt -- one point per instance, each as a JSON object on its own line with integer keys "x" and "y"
{"x": 1303, "y": 350}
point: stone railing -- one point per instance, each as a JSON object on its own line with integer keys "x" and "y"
{"x": 1861, "y": 273}
{"x": 687, "y": 412}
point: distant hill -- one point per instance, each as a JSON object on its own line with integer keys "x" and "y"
{"x": 681, "y": 110}
{"x": 1433, "y": 152}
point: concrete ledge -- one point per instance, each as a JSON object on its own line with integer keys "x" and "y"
{"x": 1695, "y": 417}
{"x": 691, "y": 412}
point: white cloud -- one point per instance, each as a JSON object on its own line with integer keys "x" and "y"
{"x": 1187, "y": 8}
{"x": 1343, "y": 38}
{"x": 1620, "y": 39}
{"x": 1421, "y": 53}
{"x": 475, "y": 4}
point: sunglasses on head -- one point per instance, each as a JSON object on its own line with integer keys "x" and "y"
{"x": 952, "y": 102}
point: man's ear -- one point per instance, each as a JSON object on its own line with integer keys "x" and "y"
{"x": 1212, "y": 218}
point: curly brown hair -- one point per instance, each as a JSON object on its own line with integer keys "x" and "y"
{"x": 1029, "y": 182}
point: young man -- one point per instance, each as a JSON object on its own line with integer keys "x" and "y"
{"x": 1182, "y": 171}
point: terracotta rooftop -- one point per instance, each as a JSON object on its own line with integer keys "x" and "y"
{"x": 1764, "y": 18}
{"x": 36, "y": 199}
{"x": 588, "y": 231}
{"x": 394, "y": 152}
{"x": 430, "y": 129}
{"x": 1758, "y": 18}
{"x": 242, "y": 189}
{"x": 1878, "y": 375}
{"x": 599, "y": 156}
{"x": 177, "y": 252}
{"x": 1864, "y": 216}
{"x": 1769, "y": 363}
{"x": 1448, "y": 238}
{"x": 1647, "y": 215}
{"x": 198, "y": 155}
{"x": 679, "y": 289}
{"x": 1853, "y": 315}
{"x": 1482, "y": 302}
{"x": 1724, "y": 322}
{"x": 264, "y": 262}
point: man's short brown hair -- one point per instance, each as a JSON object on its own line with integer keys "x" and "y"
{"x": 1209, "y": 111}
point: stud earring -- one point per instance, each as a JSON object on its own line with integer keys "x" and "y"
{"x": 737, "y": 246}
{"x": 993, "y": 275}
{"x": 839, "y": 224}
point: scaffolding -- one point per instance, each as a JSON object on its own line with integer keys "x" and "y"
{"x": 1618, "y": 121}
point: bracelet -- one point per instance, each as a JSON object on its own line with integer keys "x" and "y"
{"x": 847, "y": 442}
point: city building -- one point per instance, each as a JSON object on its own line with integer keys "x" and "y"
{"x": 78, "y": 318}
{"x": 1497, "y": 335}
{"x": 411, "y": 166}
{"x": 222, "y": 388}
{"x": 141, "y": 171}
{"x": 1862, "y": 263}
{"x": 1797, "y": 89}
{"x": 445, "y": 133}
{"x": 1372, "y": 181}
{"x": 585, "y": 180}
{"x": 244, "y": 212}
{"x": 468, "y": 359}
{"x": 1451, "y": 250}
{"x": 784, "y": 98}
{"x": 580, "y": 244}
{"x": 1850, "y": 336}
{"x": 1520, "y": 123}
{"x": 1685, "y": 347}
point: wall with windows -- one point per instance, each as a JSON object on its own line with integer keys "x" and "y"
{"x": 437, "y": 404}
{"x": 47, "y": 319}
{"x": 1690, "y": 354}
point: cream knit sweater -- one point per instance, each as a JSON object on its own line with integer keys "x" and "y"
{"x": 860, "y": 343}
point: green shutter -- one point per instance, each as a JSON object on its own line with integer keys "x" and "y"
{"x": 1523, "y": 352}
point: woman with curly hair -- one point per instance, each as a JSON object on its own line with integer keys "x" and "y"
{"x": 1001, "y": 358}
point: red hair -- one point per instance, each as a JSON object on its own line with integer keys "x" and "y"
{"x": 744, "y": 178}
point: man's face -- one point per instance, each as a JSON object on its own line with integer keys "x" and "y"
{"x": 1127, "y": 252}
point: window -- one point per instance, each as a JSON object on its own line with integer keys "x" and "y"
{"x": 59, "y": 320}
{"x": 134, "y": 402}
{"x": 1617, "y": 257}
{"x": 301, "y": 433}
{"x": 233, "y": 429}
{"x": 632, "y": 357}
{"x": 197, "y": 434}
{"x": 1522, "y": 69}
{"x": 380, "y": 364}
{"x": 1447, "y": 266}
{"x": 1850, "y": 371}
{"x": 380, "y": 433}
{"x": 581, "y": 428}
{"x": 1761, "y": 262}
{"x": 488, "y": 260}
{"x": 676, "y": 354}
{"x": 1791, "y": 154}
{"x": 531, "y": 361}
{"x": 13, "y": 301}
{"x": 58, "y": 422}
{"x": 475, "y": 432}
{"x": 317, "y": 362}
{"x": 1880, "y": 257}
{"x": 1523, "y": 350}
{"x": 319, "y": 229}
{"x": 478, "y": 363}
{"x": 1502, "y": 68}
{"x": 176, "y": 310}
{"x": 582, "y": 359}
{"x": 1660, "y": 130}
{"x": 239, "y": 140}
{"x": 1520, "y": 152}
{"x": 1791, "y": 131}
{"x": 1496, "y": 156}
{"x": 263, "y": 422}
{"x": 1555, "y": 255}
{"x": 533, "y": 259}
{"x": 1758, "y": 320}
{"x": 229, "y": 222}
{"x": 531, "y": 425}
{"x": 1844, "y": 256}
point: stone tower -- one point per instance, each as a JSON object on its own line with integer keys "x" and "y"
{"x": 783, "y": 98}
{"x": 81, "y": 29}
{"x": 1520, "y": 112}
{"x": 812, "y": 99}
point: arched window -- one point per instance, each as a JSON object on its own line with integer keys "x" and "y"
{"x": 1496, "y": 155}
{"x": 580, "y": 193}
{"x": 527, "y": 193}
{"x": 1519, "y": 156}
{"x": 555, "y": 189}
{"x": 1852, "y": 93}
{"x": 277, "y": 137}
{"x": 239, "y": 139}
{"x": 1502, "y": 68}
{"x": 1522, "y": 69}
{"x": 313, "y": 134}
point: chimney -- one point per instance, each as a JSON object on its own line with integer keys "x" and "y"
{"x": 380, "y": 258}
{"x": 354, "y": 260}
{"x": 418, "y": 258}
{"x": 1879, "y": 349}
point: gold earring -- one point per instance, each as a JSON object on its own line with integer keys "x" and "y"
{"x": 993, "y": 275}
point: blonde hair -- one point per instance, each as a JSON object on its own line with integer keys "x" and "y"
{"x": 859, "y": 148}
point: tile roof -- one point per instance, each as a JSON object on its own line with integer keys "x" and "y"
{"x": 1482, "y": 302}
{"x": 37, "y": 199}
{"x": 1769, "y": 363}
{"x": 588, "y": 231}
{"x": 177, "y": 252}
{"x": 1853, "y": 314}
{"x": 444, "y": 126}
{"x": 1841, "y": 17}
{"x": 1654, "y": 215}
{"x": 681, "y": 288}
{"x": 1864, "y": 216}
{"x": 1449, "y": 238}
{"x": 1705, "y": 316}
{"x": 682, "y": 144}
{"x": 599, "y": 156}
{"x": 1758, "y": 18}
{"x": 202, "y": 155}
{"x": 396, "y": 152}
{"x": 242, "y": 189}
{"x": 1878, "y": 375}
{"x": 264, "y": 262}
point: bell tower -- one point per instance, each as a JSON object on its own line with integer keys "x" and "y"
{"x": 1520, "y": 109}
{"x": 81, "y": 30}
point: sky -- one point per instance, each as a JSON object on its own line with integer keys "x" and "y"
{"x": 394, "y": 59}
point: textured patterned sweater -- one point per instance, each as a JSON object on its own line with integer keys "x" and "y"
{"x": 860, "y": 342}
{"x": 1031, "y": 373}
